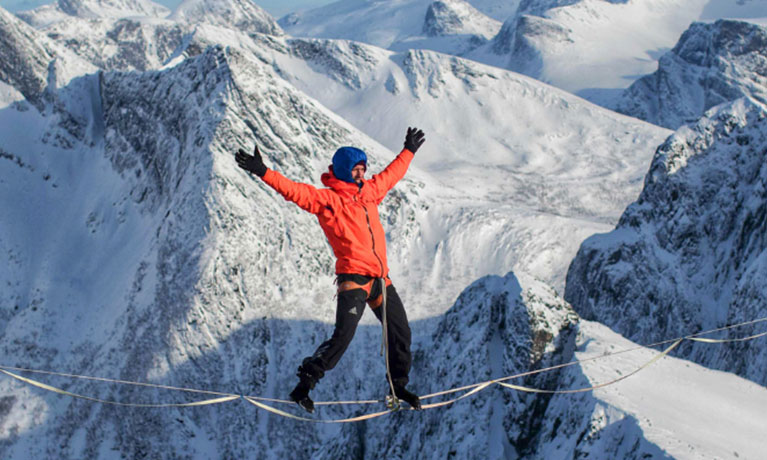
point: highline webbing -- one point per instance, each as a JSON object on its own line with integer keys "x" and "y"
{"x": 470, "y": 390}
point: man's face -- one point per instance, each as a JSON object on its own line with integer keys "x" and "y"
{"x": 358, "y": 173}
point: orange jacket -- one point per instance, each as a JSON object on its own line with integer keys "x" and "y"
{"x": 348, "y": 214}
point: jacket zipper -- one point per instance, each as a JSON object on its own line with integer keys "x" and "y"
{"x": 372, "y": 237}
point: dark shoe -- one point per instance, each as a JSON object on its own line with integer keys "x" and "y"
{"x": 408, "y": 397}
{"x": 300, "y": 395}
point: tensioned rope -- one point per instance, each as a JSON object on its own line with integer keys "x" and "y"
{"x": 470, "y": 389}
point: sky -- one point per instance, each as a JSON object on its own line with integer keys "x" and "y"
{"x": 276, "y": 8}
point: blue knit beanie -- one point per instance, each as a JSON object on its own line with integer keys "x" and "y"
{"x": 345, "y": 159}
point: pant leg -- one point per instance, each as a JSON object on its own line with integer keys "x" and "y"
{"x": 349, "y": 310}
{"x": 400, "y": 358}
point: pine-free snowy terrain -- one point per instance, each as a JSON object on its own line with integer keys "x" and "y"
{"x": 138, "y": 250}
{"x": 593, "y": 48}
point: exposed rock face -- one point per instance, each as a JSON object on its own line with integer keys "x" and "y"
{"x": 710, "y": 65}
{"x": 92, "y": 9}
{"x": 125, "y": 44}
{"x": 689, "y": 254}
{"x": 24, "y": 63}
{"x": 522, "y": 37}
{"x": 457, "y": 17}
{"x": 243, "y": 15}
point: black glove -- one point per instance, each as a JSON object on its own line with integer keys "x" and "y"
{"x": 414, "y": 139}
{"x": 252, "y": 163}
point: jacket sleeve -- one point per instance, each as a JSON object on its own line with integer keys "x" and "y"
{"x": 306, "y": 196}
{"x": 386, "y": 179}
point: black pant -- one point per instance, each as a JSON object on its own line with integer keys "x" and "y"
{"x": 349, "y": 309}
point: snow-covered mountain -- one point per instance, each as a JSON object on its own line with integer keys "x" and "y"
{"x": 243, "y": 15}
{"x": 689, "y": 255}
{"x": 532, "y": 147}
{"x": 125, "y": 44}
{"x": 142, "y": 42}
{"x": 451, "y": 27}
{"x": 167, "y": 273}
{"x": 448, "y": 26}
{"x": 92, "y": 9}
{"x": 712, "y": 64}
{"x": 24, "y": 66}
{"x": 593, "y": 48}
{"x": 138, "y": 250}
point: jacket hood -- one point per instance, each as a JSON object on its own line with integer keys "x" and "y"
{"x": 330, "y": 180}
{"x": 345, "y": 159}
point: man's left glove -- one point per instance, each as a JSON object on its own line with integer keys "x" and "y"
{"x": 252, "y": 163}
{"x": 414, "y": 139}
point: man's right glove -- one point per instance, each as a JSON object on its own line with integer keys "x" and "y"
{"x": 252, "y": 163}
{"x": 414, "y": 139}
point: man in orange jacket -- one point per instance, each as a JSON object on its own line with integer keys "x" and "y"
{"x": 347, "y": 211}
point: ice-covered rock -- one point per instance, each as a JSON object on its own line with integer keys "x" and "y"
{"x": 92, "y": 9}
{"x": 25, "y": 61}
{"x": 125, "y": 44}
{"x": 243, "y": 15}
{"x": 454, "y": 17}
{"x": 597, "y": 48}
{"x": 448, "y": 26}
{"x": 712, "y": 64}
{"x": 689, "y": 254}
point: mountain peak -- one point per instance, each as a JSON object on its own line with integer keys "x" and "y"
{"x": 243, "y": 15}
{"x": 46, "y": 15}
{"x": 453, "y": 17}
{"x": 111, "y": 8}
{"x": 710, "y": 65}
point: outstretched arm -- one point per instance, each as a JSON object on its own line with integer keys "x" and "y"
{"x": 386, "y": 179}
{"x": 307, "y": 197}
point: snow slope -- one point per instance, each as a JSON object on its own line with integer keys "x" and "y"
{"x": 593, "y": 48}
{"x": 449, "y": 26}
{"x": 689, "y": 254}
{"x": 691, "y": 411}
{"x": 140, "y": 251}
{"x": 585, "y": 45}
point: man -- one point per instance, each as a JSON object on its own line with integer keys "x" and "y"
{"x": 347, "y": 211}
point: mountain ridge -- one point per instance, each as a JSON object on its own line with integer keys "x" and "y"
{"x": 151, "y": 257}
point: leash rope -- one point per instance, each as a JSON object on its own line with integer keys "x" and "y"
{"x": 392, "y": 403}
